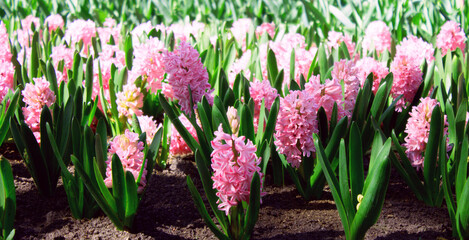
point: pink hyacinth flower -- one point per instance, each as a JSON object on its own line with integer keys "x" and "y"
{"x": 451, "y": 36}
{"x": 7, "y": 72}
{"x": 185, "y": 68}
{"x": 240, "y": 29}
{"x": 5, "y": 53}
{"x": 417, "y": 50}
{"x": 35, "y": 97}
{"x": 178, "y": 147}
{"x": 234, "y": 163}
{"x": 130, "y": 152}
{"x": 296, "y": 123}
{"x": 81, "y": 30}
{"x": 149, "y": 63}
{"x": 149, "y": 126}
{"x": 418, "y": 130}
{"x": 334, "y": 39}
{"x": 369, "y": 65}
{"x": 326, "y": 95}
{"x": 347, "y": 73}
{"x": 268, "y": 28}
{"x": 377, "y": 37}
{"x": 54, "y": 22}
{"x": 262, "y": 91}
{"x": 129, "y": 101}
{"x": 407, "y": 79}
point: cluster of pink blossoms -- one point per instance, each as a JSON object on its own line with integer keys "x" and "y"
{"x": 7, "y": 69}
{"x": 54, "y": 22}
{"x": 130, "y": 152}
{"x": 65, "y": 54}
{"x": 369, "y": 65}
{"x": 240, "y": 65}
{"x": 268, "y": 28}
{"x": 418, "y": 130}
{"x": 36, "y": 96}
{"x": 451, "y": 36}
{"x": 407, "y": 78}
{"x": 129, "y": 101}
{"x": 148, "y": 126}
{"x": 149, "y": 63}
{"x": 81, "y": 30}
{"x": 178, "y": 147}
{"x": 327, "y": 94}
{"x": 262, "y": 91}
{"x": 346, "y": 72}
{"x": 334, "y": 39}
{"x": 185, "y": 68}
{"x": 240, "y": 29}
{"x": 416, "y": 49}
{"x": 296, "y": 123}
{"x": 377, "y": 37}
{"x": 25, "y": 34}
{"x": 234, "y": 163}
{"x": 109, "y": 30}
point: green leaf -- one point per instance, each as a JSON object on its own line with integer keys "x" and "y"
{"x": 118, "y": 186}
{"x": 89, "y": 79}
{"x": 202, "y": 210}
{"x": 131, "y": 198}
{"x": 356, "y": 170}
{"x": 344, "y": 184}
{"x": 8, "y": 195}
{"x": 252, "y": 212}
{"x": 246, "y": 126}
{"x": 431, "y": 153}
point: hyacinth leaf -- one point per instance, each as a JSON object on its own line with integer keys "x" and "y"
{"x": 202, "y": 210}
{"x": 380, "y": 100}
{"x": 102, "y": 196}
{"x": 272, "y": 69}
{"x": 204, "y": 120}
{"x": 333, "y": 184}
{"x": 101, "y": 146}
{"x": 406, "y": 170}
{"x": 89, "y": 79}
{"x": 128, "y": 49}
{"x": 119, "y": 187}
{"x": 356, "y": 171}
{"x": 190, "y": 141}
{"x": 131, "y": 203}
{"x": 210, "y": 193}
{"x": 322, "y": 125}
{"x": 428, "y": 81}
{"x": 271, "y": 120}
{"x": 252, "y": 212}
{"x": 431, "y": 152}
{"x": 260, "y": 124}
{"x": 34, "y": 57}
{"x": 461, "y": 121}
{"x": 343, "y": 51}
{"x": 219, "y": 118}
{"x": 322, "y": 62}
{"x": 461, "y": 175}
{"x": 293, "y": 174}
{"x": 5, "y": 118}
{"x": 152, "y": 154}
{"x": 77, "y": 70}
{"x": 374, "y": 194}
{"x": 292, "y": 65}
{"x": 8, "y": 198}
{"x": 446, "y": 186}
{"x": 50, "y": 74}
{"x": 344, "y": 182}
{"x": 246, "y": 126}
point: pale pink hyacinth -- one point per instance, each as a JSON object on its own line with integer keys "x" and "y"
{"x": 451, "y": 37}
{"x": 233, "y": 119}
{"x": 81, "y": 30}
{"x": 148, "y": 126}
{"x": 334, "y": 39}
{"x": 407, "y": 80}
{"x": 129, "y": 101}
{"x": 183, "y": 31}
{"x": 240, "y": 65}
{"x": 377, "y": 37}
{"x": 416, "y": 49}
{"x": 240, "y": 29}
{"x": 5, "y": 53}
{"x": 62, "y": 53}
{"x": 25, "y": 34}
{"x": 7, "y": 72}
{"x": 345, "y": 71}
{"x": 296, "y": 123}
{"x": 54, "y": 22}
{"x": 262, "y": 90}
{"x": 369, "y": 65}
{"x": 36, "y": 96}
{"x": 110, "y": 29}
{"x": 418, "y": 130}
{"x": 149, "y": 63}
{"x": 178, "y": 147}
{"x": 268, "y": 28}
{"x": 326, "y": 95}
{"x": 168, "y": 91}
{"x": 185, "y": 68}
{"x": 130, "y": 152}
{"x": 234, "y": 163}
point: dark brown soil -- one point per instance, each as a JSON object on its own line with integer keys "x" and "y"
{"x": 167, "y": 212}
